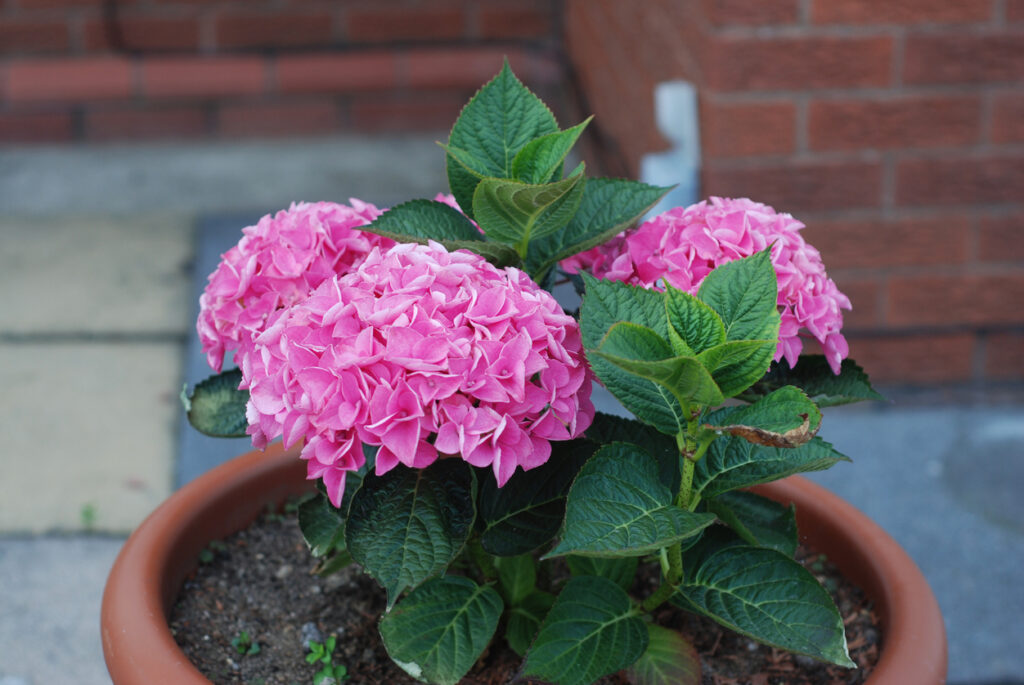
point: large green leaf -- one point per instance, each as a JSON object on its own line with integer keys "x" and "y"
{"x": 744, "y": 293}
{"x": 517, "y": 577}
{"x": 814, "y": 376}
{"x": 670, "y": 659}
{"x": 732, "y": 462}
{"x": 618, "y": 507}
{"x": 592, "y": 630}
{"x": 784, "y": 418}
{"x": 608, "y": 207}
{"x": 737, "y": 364}
{"x": 619, "y": 570}
{"x": 758, "y": 520}
{"x": 524, "y": 620}
{"x": 409, "y": 524}
{"x": 217, "y": 407}
{"x": 441, "y": 628}
{"x": 765, "y": 595}
{"x": 607, "y": 428}
{"x": 692, "y": 325}
{"x": 527, "y": 512}
{"x": 493, "y": 127}
{"x": 539, "y": 159}
{"x": 322, "y": 526}
{"x": 605, "y": 304}
{"x": 640, "y": 351}
{"x": 516, "y": 213}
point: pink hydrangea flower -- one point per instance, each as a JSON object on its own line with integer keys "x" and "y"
{"x": 278, "y": 262}
{"x": 422, "y": 352}
{"x": 683, "y": 245}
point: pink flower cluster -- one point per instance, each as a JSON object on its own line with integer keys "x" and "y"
{"x": 683, "y": 245}
{"x": 423, "y": 352}
{"x": 278, "y": 262}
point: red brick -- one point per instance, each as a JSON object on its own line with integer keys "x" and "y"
{"x": 515, "y": 22}
{"x": 145, "y": 124}
{"x": 276, "y": 30}
{"x": 881, "y": 243}
{"x": 46, "y": 4}
{"x": 469, "y": 68}
{"x": 799, "y": 63}
{"x": 337, "y": 72}
{"x": 796, "y": 187}
{"x": 746, "y": 13}
{"x": 1001, "y": 238}
{"x": 39, "y": 127}
{"x": 899, "y": 11}
{"x": 1015, "y": 10}
{"x": 959, "y": 180}
{"x": 279, "y": 119}
{"x": 894, "y": 123}
{"x": 864, "y": 296}
{"x": 203, "y": 76}
{"x": 428, "y": 112}
{"x": 962, "y": 299}
{"x": 27, "y": 36}
{"x": 62, "y": 80}
{"x": 926, "y": 358}
{"x": 964, "y": 58}
{"x": 143, "y": 33}
{"x": 1008, "y": 118}
{"x": 1004, "y": 356}
{"x": 416, "y": 23}
{"x": 748, "y": 129}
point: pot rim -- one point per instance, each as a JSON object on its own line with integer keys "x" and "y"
{"x": 149, "y": 570}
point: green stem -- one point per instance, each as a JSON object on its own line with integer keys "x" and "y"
{"x": 482, "y": 559}
{"x": 673, "y": 578}
{"x": 660, "y": 596}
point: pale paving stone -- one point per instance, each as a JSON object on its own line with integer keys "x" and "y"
{"x": 86, "y": 424}
{"x": 125, "y": 274}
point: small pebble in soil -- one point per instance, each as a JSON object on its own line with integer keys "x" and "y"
{"x": 310, "y": 633}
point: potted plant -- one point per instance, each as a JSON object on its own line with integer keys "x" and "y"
{"x": 440, "y": 398}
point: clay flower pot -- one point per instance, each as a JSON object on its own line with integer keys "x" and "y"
{"x": 150, "y": 568}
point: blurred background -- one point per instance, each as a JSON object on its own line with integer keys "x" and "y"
{"x": 137, "y": 137}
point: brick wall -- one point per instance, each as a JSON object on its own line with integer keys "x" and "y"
{"x": 144, "y": 69}
{"x": 894, "y": 130}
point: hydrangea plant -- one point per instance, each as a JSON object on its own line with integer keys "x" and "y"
{"x": 441, "y": 398}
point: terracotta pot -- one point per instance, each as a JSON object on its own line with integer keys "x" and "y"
{"x": 153, "y": 563}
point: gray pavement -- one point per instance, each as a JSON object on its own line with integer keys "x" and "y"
{"x": 939, "y": 476}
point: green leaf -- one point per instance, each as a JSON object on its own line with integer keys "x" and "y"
{"x": 732, "y": 463}
{"x": 607, "y": 428}
{"x": 620, "y": 570}
{"x": 692, "y": 325}
{"x": 515, "y": 213}
{"x": 670, "y": 659}
{"x": 441, "y": 628}
{"x": 642, "y": 352}
{"x": 467, "y": 160}
{"x": 409, "y": 524}
{"x": 758, "y": 520}
{"x": 608, "y": 207}
{"x": 527, "y": 512}
{"x": 737, "y": 364}
{"x": 517, "y": 577}
{"x": 524, "y": 620}
{"x": 542, "y": 157}
{"x": 814, "y": 376}
{"x": 493, "y": 127}
{"x": 322, "y": 526}
{"x": 765, "y": 595}
{"x": 744, "y": 293}
{"x": 784, "y": 418}
{"x": 217, "y": 407}
{"x": 606, "y": 303}
{"x": 592, "y": 630}
{"x": 617, "y": 507}
{"x": 422, "y": 220}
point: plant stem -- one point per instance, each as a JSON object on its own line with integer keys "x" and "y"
{"x": 660, "y": 596}
{"x": 482, "y": 559}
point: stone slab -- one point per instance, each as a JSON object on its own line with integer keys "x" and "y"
{"x": 50, "y": 609}
{"x": 88, "y": 434}
{"x": 97, "y": 275}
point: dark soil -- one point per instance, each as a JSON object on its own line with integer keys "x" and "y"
{"x": 259, "y": 582}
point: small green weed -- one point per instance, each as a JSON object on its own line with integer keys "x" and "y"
{"x": 207, "y": 555}
{"x": 324, "y": 655}
{"x": 245, "y": 645}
